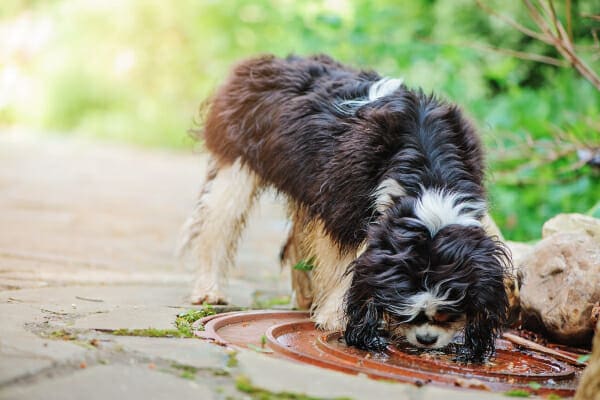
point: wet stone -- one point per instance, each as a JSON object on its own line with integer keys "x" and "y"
{"x": 191, "y": 352}
{"x": 111, "y": 382}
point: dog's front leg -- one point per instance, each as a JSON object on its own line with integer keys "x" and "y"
{"x": 211, "y": 233}
{"x": 330, "y": 279}
{"x": 328, "y": 309}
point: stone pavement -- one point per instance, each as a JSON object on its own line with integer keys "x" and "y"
{"x": 87, "y": 233}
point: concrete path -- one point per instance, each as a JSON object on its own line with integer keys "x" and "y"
{"x": 87, "y": 233}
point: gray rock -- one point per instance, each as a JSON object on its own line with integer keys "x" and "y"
{"x": 561, "y": 286}
{"x": 111, "y": 382}
{"x": 572, "y": 223}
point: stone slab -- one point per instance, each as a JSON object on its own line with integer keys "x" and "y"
{"x": 82, "y": 299}
{"x": 132, "y": 317}
{"x": 23, "y": 353}
{"x": 277, "y": 375}
{"x": 98, "y": 298}
{"x": 111, "y": 382}
{"x": 193, "y": 352}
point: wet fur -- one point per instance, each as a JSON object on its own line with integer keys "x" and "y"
{"x": 294, "y": 123}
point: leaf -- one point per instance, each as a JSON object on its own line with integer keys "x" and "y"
{"x": 535, "y": 385}
{"x": 583, "y": 358}
{"x": 305, "y": 265}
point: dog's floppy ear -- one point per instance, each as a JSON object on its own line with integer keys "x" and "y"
{"x": 363, "y": 316}
{"x": 480, "y": 335}
{"x": 363, "y": 323}
{"x": 489, "y": 311}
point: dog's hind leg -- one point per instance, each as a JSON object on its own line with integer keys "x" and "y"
{"x": 292, "y": 253}
{"x": 211, "y": 234}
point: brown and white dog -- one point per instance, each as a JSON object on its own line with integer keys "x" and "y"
{"x": 385, "y": 190}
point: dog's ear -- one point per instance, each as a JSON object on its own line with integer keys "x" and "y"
{"x": 480, "y": 335}
{"x": 362, "y": 313}
{"x": 362, "y": 329}
{"x": 489, "y": 309}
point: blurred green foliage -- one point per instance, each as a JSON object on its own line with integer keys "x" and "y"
{"x": 137, "y": 70}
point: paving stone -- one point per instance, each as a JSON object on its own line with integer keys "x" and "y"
{"x": 18, "y": 365}
{"x": 99, "y": 298}
{"x": 94, "y": 217}
{"x": 277, "y": 375}
{"x": 192, "y": 352}
{"x": 111, "y": 382}
{"x": 91, "y": 299}
{"x": 132, "y": 317}
{"x": 23, "y": 353}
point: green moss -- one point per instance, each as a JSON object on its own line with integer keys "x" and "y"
{"x": 232, "y": 360}
{"x": 186, "y": 319}
{"x": 183, "y": 324}
{"x": 62, "y": 335}
{"x": 150, "y": 332}
{"x": 187, "y": 371}
{"x": 243, "y": 384}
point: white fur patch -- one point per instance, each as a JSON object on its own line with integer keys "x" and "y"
{"x": 384, "y": 87}
{"x": 428, "y": 302}
{"x": 381, "y": 88}
{"x": 438, "y": 208}
{"x": 385, "y": 192}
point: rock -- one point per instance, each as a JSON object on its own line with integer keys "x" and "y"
{"x": 589, "y": 386}
{"x": 572, "y": 223}
{"x": 561, "y": 286}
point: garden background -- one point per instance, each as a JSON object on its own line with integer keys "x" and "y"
{"x": 136, "y": 71}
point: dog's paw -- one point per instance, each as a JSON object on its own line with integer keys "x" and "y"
{"x": 376, "y": 343}
{"x": 329, "y": 321}
{"x": 367, "y": 342}
{"x": 215, "y": 298}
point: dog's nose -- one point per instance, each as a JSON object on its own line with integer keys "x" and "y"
{"x": 427, "y": 339}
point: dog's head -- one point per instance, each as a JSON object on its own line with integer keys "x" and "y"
{"x": 426, "y": 285}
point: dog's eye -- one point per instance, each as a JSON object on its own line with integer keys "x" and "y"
{"x": 446, "y": 317}
{"x": 441, "y": 317}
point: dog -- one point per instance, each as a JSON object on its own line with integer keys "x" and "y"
{"x": 384, "y": 186}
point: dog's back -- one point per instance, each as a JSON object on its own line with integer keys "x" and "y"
{"x": 310, "y": 128}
